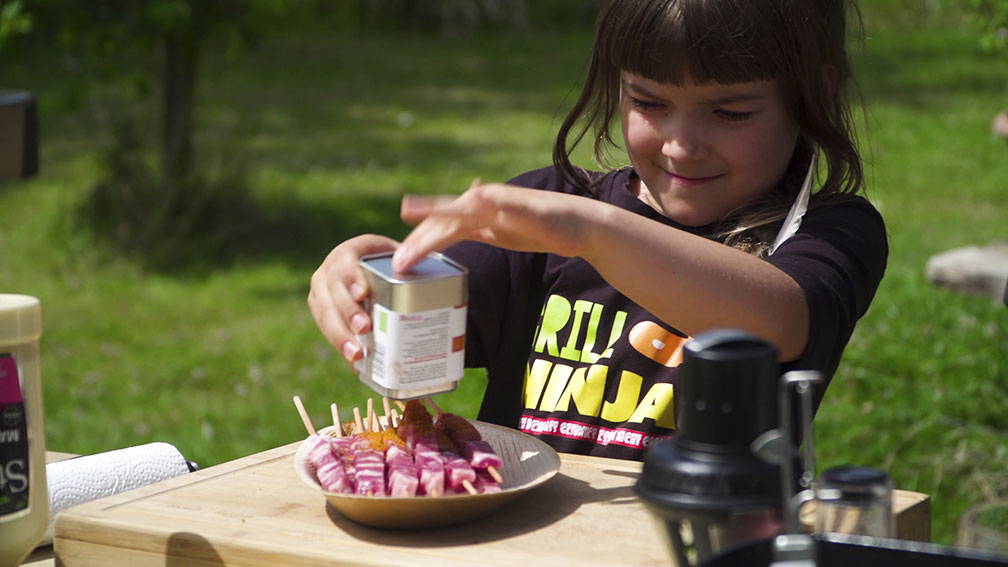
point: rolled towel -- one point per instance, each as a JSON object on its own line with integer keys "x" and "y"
{"x": 83, "y": 479}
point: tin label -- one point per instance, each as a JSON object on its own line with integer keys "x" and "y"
{"x": 13, "y": 440}
{"x": 416, "y": 350}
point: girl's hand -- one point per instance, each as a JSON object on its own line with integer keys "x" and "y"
{"x": 338, "y": 287}
{"x": 502, "y": 215}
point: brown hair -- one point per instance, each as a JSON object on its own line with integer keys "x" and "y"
{"x": 799, "y": 43}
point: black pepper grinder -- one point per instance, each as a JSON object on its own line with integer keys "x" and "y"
{"x": 705, "y": 485}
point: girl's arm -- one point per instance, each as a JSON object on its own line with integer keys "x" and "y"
{"x": 679, "y": 277}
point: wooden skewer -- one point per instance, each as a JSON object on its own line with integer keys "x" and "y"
{"x": 495, "y": 474}
{"x": 387, "y": 407}
{"x": 401, "y": 405}
{"x": 357, "y": 420}
{"x": 437, "y": 409}
{"x": 370, "y": 415}
{"x": 469, "y": 487}
{"x": 337, "y": 424}
{"x": 395, "y": 418}
{"x": 304, "y": 416}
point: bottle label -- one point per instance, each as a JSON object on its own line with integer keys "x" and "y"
{"x": 13, "y": 440}
{"x": 416, "y": 350}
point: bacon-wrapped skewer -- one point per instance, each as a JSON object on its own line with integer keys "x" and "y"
{"x": 329, "y": 467}
{"x": 403, "y": 475}
{"x": 485, "y": 483}
{"x": 468, "y": 442}
{"x": 325, "y": 455}
{"x": 419, "y": 457}
{"x": 430, "y": 445}
{"x": 369, "y": 466}
{"x": 459, "y": 474}
{"x": 417, "y": 429}
{"x": 432, "y": 472}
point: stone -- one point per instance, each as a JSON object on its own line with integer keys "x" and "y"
{"x": 999, "y": 126}
{"x": 976, "y": 270}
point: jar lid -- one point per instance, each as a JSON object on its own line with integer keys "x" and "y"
{"x": 853, "y": 475}
{"x": 20, "y": 318}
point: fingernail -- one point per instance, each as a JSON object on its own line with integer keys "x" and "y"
{"x": 399, "y": 258}
{"x": 356, "y": 291}
{"x": 350, "y": 350}
{"x": 358, "y": 322}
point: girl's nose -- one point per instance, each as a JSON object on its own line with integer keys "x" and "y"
{"x": 684, "y": 141}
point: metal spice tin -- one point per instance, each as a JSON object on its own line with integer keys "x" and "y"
{"x": 416, "y": 346}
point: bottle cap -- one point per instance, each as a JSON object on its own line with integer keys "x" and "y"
{"x": 20, "y": 319}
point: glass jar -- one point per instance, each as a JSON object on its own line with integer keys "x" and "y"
{"x": 854, "y": 500}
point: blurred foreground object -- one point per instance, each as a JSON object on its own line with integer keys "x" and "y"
{"x": 972, "y": 269}
{"x": 985, "y": 526}
{"x": 18, "y": 135}
{"x": 706, "y": 487}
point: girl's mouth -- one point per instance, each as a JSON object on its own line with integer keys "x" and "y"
{"x": 698, "y": 180}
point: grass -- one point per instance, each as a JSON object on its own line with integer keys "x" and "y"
{"x": 331, "y": 130}
{"x": 920, "y": 392}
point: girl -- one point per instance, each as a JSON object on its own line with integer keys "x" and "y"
{"x": 584, "y": 285}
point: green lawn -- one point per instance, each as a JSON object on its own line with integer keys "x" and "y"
{"x": 331, "y": 130}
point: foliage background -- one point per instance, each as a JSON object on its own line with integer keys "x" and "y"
{"x": 313, "y": 132}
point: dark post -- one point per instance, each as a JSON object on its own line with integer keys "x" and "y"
{"x": 18, "y": 135}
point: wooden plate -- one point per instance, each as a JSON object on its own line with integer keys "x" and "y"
{"x": 528, "y": 462}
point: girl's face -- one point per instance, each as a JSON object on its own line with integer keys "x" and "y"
{"x": 703, "y": 150}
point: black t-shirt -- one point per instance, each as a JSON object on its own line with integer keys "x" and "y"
{"x": 573, "y": 361}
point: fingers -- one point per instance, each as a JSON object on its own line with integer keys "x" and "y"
{"x": 337, "y": 289}
{"x": 416, "y": 208}
{"x": 442, "y": 221}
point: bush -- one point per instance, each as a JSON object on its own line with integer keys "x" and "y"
{"x": 193, "y": 223}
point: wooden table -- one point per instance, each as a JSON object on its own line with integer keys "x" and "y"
{"x": 255, "y": 511}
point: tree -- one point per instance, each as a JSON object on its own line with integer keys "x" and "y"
{"x": 994, "y": 38}
{"x": 994, "y": 19}
{"x": 13, "y": 20}
{"x": 153, "y": 48}
{"x": 166, "y": 35}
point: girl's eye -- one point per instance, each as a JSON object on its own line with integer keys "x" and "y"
{"x": 734, "y": 115}
{"x": 644, "y": 104}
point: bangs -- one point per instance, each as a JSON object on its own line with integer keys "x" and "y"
{"x": 679, "y": 40}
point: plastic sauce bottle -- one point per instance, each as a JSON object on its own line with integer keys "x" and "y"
{"x": 24, "y": 502}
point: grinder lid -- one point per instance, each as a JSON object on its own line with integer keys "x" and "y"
{"x": 726, "y": 397}
{"x": 727, "y": 389}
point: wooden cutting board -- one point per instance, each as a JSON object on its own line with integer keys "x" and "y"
{"x": 255, "y": 511}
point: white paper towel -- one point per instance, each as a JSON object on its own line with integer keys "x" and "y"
{"x": 82, "y": 479}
